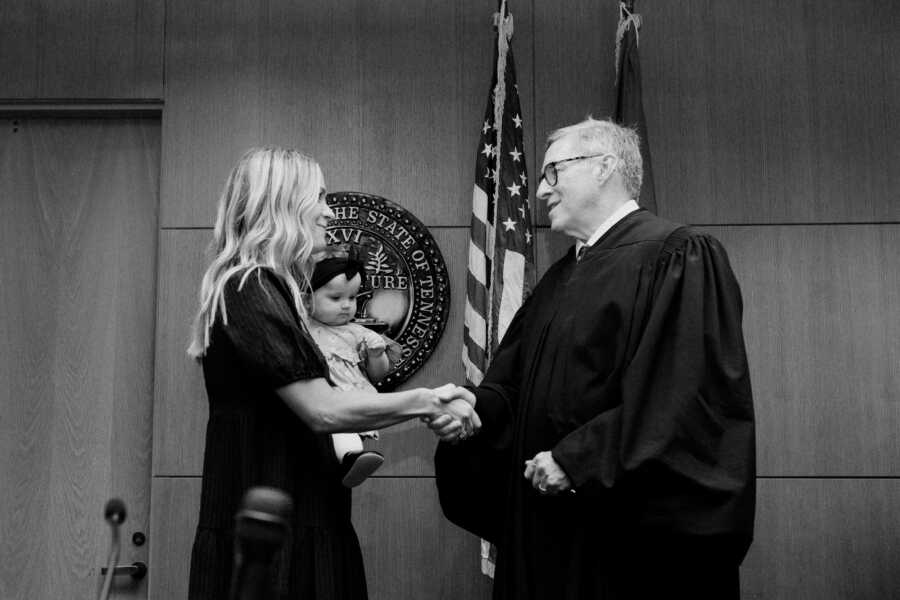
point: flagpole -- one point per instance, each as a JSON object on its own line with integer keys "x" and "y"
{"x": 504, "y": 25}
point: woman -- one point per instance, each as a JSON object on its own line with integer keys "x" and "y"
{"x": 271, "y": 407}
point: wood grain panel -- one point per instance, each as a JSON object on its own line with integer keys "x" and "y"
{"x": 80, "y": 50}
{"x": 173, "y": 523}
{"x": 79, "y": 200}
{"x": 824, "y": 539}
{"x": 18, "y": 58}
{"x": 410, "y": 550}
{"x": 388, "y": 97}
{"x": 312, "y": 54}
{"x": 246, "y": 74}
{"x": 27, "y": 403}
{"x": 888, "y": 24}
{"x": 675, "y": 64}
{"x": 820, "y": 322}
{"x": 180, "y": 409}
{"x": 770, "y": 111}
{"x": 213, "y": 99}
{"x": 574, "y": 69}
{"x": 426, "y": 72}
{"x": 848, "y": 64}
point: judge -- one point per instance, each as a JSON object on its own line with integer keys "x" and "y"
{"x": 617, "y": 454}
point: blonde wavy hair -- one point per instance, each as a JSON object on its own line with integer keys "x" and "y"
{"x": 264, "y": 219}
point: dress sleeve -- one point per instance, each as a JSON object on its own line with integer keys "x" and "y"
{"x": 682, "y": 438}
{"x": 266, "y": 333}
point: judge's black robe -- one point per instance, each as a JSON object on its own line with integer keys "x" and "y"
{"x": 630, "y": 367}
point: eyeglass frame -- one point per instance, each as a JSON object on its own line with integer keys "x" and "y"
{"x": 551, "y": 166}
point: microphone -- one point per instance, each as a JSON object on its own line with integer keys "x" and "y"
{"x": 114, "y": 513}
{"x": 260, "y": 528}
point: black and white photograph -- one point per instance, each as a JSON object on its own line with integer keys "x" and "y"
{"x": 461, "y": 300}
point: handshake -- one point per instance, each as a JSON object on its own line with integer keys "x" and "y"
{"x": 454, "y": 417}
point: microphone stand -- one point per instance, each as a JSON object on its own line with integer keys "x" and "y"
{"x": 115, "y": 516}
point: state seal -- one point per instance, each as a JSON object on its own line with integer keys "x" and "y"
{"x": 406, "y": 295}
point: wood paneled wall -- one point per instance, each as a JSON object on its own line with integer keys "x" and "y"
{"x": 773, "y": 125}
{"x": 382, "y": 94}
{"x": 81, "y": 50}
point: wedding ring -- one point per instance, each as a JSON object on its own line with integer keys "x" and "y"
{"x": 542, "y": 487}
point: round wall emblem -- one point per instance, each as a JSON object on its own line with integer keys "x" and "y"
{"x": 406, "y": 295}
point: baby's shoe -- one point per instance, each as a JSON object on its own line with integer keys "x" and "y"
{"x": 358, "y": 466}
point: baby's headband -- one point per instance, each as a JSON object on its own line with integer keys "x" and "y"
{"x": 329, "y": 268}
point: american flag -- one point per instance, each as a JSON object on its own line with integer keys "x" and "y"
{"x": 501, "y": 238}
{"x": 501, "y": 241}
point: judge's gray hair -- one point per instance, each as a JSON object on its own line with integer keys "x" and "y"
{"x": 605, "y": 136}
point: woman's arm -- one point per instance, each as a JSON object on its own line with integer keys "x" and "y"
{"x": 327, "y": 410}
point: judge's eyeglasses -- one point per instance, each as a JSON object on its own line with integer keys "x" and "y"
{"x": 551, "y": 173}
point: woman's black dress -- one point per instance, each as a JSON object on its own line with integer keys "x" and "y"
{"x": 253, "y": 438}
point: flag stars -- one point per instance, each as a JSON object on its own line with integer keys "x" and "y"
{"x": 516, "y": 155}
{"x": 488, "y": 150}
{"x": 524, "y": 178}
{"x": 517, "y": 119}
{"x": 509, "y": 224}
{"x": 514, "y": 190}
{"x": 486, "y": 127}
{"x": 528, "y": 237}
{"x": 522, "y": 211}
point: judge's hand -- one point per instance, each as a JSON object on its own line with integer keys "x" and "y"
{"x": 457, "y": 421}
{"x": 546, "y": 476}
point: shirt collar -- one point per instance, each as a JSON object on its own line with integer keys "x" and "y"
{"x": 619, "y": 214}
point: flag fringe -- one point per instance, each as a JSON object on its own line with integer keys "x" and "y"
{"x": 626, "y": 19}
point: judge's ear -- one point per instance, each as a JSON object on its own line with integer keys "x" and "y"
{"x": 604, "y": 167}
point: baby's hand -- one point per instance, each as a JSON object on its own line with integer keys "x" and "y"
{"x": 367, "y": 351}
{"x": 374, "y": 351}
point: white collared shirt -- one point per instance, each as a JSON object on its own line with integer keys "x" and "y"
{"x": 619, "y": 214}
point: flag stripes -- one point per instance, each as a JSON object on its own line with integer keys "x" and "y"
{"x": 501, "y": 250}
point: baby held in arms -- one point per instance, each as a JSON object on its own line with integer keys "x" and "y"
{"x": 356, "y": 355}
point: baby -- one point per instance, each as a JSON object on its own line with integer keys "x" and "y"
{"x": 348, "y": 348}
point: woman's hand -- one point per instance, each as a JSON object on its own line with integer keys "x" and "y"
{"x": 457, "y": 419}
{"x": 449, "y": 391}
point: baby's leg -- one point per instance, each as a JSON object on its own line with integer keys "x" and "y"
{"x": 344, "y": 443}
{"x": 356, "y": 463}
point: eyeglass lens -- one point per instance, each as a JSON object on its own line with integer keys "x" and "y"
{"x": 550, "y": 174}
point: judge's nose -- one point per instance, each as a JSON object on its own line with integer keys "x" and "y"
{"x": 543, "y": 190}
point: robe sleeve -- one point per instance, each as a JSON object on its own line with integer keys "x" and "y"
{"x": 679, "y": 448}
{"x": 472, "y": 477}
{"x": 495, "y": 397}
